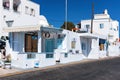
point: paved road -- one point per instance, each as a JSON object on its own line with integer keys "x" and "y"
{"x": 96, "y": 70}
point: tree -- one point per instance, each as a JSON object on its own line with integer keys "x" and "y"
{"x": 70, "y": 26}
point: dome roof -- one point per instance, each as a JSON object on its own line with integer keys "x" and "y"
{"x": 43, "y": 21}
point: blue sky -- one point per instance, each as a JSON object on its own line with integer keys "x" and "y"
{"x": 54, "y": 10}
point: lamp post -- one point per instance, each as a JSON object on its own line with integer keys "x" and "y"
{"x": 92, "y": 16}
{"x": 66, "y": 14}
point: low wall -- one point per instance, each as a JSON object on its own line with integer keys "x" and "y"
{"x": 70, "y": 57}
{"x": 43, "y": 61}
{"x": 40, "y": 59}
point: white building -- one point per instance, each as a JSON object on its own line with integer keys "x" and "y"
{"x": 32, "y": 43}
{"x": 15, "y": 14}
{"x": 103, "y": 25}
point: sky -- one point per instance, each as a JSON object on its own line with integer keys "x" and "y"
{"x": 54, "y": 10}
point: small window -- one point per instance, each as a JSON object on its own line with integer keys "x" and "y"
{"x": 15, "y": 7}
{"x": 6, "y": 4}
{"x": 49, "y": 55}
{"x": 101, "y": 26}
{"x": 66, "y": 55}
{"x": 32, "y": 12}
{"x": 30, "y": 56}
{"x": 87, "y": 26}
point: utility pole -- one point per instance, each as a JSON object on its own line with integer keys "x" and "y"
{"x": 66, "y": 14}
{"x": 92, "y": 16}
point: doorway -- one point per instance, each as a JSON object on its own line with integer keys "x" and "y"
{"x": 31, "y": 42}
{"x": 86, "y": 46}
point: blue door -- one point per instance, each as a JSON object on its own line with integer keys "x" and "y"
{"x": 49, "y": 45}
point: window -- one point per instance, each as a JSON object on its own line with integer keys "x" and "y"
{"x": 49, "y": 55}
{"x": 87, "y": 27}
{"x": 6, "y": 4}
{"x": 66, "y": 55}
{"x": 101, "y": 26}
{"x": 16, "y": 4}
{"x": 32, "y": 12}
{"x": 15, "y": 7}
{"x": 31, "y": 56}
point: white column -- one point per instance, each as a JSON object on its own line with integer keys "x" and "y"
{"x": 11, "y": 5}
{"x": 23, "y": 42}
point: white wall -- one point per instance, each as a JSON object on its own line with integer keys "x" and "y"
{"x": 20, "y": 18}
{"x": 70, "y": 36}
{"x": 71, "y": 57}
{"x": 21, "y": 61}
{"x": 106, "y": 30}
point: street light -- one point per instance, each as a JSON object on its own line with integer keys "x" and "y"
{"x": 66, "y": 14}
{"x": 92, "y": 16}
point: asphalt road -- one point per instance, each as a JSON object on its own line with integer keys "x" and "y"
{"x": 96, "y": 70}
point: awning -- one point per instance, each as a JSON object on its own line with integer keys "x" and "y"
{"x": 88, "y": 35}
{"x": 22, "y": 29}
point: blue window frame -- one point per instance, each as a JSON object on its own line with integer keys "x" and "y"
{"x": 49, "y": 55}
{"x": 66, "y": 55}
{"x": 31, "y": 56}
